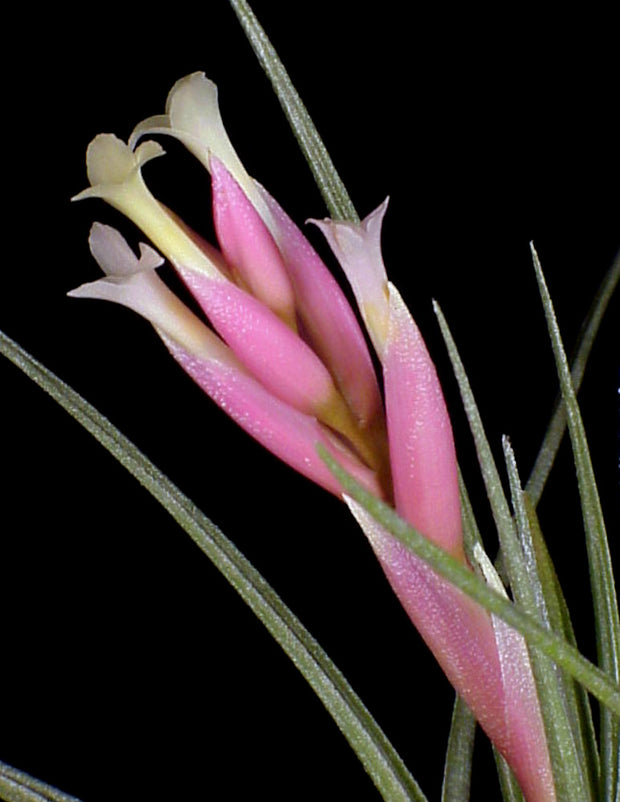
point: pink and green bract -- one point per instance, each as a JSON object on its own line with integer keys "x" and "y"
{"x": 281, "y": 351}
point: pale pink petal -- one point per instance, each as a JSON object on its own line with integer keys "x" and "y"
{"x": 497, "y": 687}
{"x": 115, "y": 257}
{"x": 289, "y": 434}
{"x": 248, "y": 246}
{"x": 329, "y": 323}
{"x": 357, "y": 246}
{"x": 133, "y": 282}
{"x": 422, "y": 455}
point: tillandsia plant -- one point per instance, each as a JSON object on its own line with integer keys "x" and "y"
{"x": 275, "y": 343}
{"x": 290, "y": 364}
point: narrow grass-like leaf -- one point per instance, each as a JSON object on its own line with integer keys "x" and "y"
{"x": 510, "y": 787}
{"x": 372, "y": 747}
{"x": 490, "y": 475}
{"x": 471, "y": 532}
{"x": 559, "y": 618}
{"x": 526, "y": 582}
{"x": 550, "y": 643}
{"x": 457, "y": 769}
{"x": 506, "y": 532}
{"x": 557, "y": 425}
{"x": 325, "y": 174}
{"x": 607, "y": 620}
{"x": 17, "y": 786}
{"x": 568, "y": 765}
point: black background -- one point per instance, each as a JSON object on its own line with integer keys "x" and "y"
{"x": 126, "y": 658}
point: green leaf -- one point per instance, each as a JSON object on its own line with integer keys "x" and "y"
{"x": 459, "y": 755}
{"x": 578, "y": 701}
{"x": 557, "y": 425}
{"x": 510, "y": 787}
{"x": 504, "y": 524}
{"x": 17, "y": 786}
{"x": 325, "y": 174}
{"x": 376, "y": 753}
{"x": 550, "y": 643}
{"x": 471, "y": 532}
{"x": 568, "y": 763}
{"x": 570, "y": 783}
{"x": 490, "y": 475}
{"x": 607, "y": 620}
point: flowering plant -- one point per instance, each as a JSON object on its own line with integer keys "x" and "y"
{"x": 284, "y": 355}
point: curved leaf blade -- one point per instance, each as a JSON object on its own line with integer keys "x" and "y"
{"x": 607, "y": 619}
{"x": 457, "y": 770}
{"x": 325, "y": 174}
{"x": 557, "y": 424}
{"x": 378, "y": 756}
{"x": 578, "y": 703}
{"x": 17, "y": 786}
{"x": 570, "y": 769}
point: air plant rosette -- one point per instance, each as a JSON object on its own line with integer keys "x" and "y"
{"x": 348, "y": 396}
